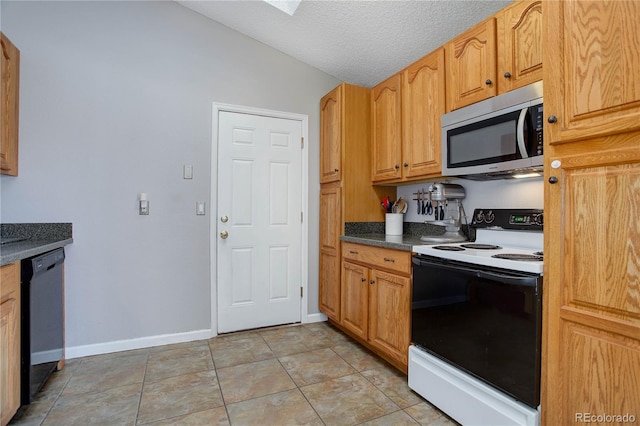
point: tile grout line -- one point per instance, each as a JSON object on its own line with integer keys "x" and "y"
{"x": 144, "y": 379}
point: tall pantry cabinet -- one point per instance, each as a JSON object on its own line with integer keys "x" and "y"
{"x": 346, "y": 194}
{"x": 591, "y": 342}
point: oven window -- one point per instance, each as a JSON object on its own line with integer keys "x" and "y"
{"x": 482, "y": 325}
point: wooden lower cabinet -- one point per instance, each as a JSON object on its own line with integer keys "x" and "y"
{"x": 390, "y": 313}
{"x": 9, "y": 341}
{"x": 376, "y": 300}
{"x": 330, "y": 230}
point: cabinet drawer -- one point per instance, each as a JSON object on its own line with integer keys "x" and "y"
{"x": 378, "y": 257}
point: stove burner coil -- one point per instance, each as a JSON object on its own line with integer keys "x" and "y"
{"x": 511, "y": 256}
{"x": 481, "y": 246}
{"x": 448, "y": 248}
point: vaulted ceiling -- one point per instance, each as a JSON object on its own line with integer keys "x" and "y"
{"x": 358, "y": 41}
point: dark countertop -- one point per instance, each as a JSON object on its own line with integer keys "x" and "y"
{"x": 397, "y": 242}
{"x": 373, "y": 234}
{"x": 25, "y": 240}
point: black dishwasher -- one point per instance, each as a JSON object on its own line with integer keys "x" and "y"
{"x": 42, "y": 339}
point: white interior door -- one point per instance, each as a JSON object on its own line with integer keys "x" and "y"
{"x": 259, "y": 228}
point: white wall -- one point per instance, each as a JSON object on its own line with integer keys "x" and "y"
{"x": 115, "y": 97}
{"x": 507, "y": 193}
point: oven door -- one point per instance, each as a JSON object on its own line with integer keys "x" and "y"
{"x": 485, "y": 321}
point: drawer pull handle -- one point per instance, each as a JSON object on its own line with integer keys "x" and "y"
{"x": 353, "y": 252}
{"x": 386, "y": 259}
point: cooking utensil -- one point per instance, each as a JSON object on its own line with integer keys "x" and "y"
{"x": 428, "y": 207}
{"x": 401, "y": 205}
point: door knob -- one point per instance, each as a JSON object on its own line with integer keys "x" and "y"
{"x": 224, "y": 219}
{"x": 224, "y": 235}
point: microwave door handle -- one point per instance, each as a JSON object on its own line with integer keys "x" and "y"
{"x": 520, "y": 133}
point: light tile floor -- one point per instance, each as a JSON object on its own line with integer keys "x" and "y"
{"x": 308, "y": 374}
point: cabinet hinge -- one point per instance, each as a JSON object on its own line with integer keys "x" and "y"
{"x": 301, "y": 292}
{"x": 301, "y": 143}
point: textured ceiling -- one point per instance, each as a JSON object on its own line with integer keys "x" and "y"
{"x": 360, "y": 42}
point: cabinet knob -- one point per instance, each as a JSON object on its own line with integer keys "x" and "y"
{"x": 397, "y": 167}
{"x": 553, "y": 180}
{"x": 507, "y": 74}
{"x": 372, "y": 282}
{"x": 406, "y": 164}
{"x": 363, "y": 279}
{"x": 552, "y": 119}
{"x": 336, "y": 170}
{"x": 224, "y": 235}
{"x": 488, "y": 82}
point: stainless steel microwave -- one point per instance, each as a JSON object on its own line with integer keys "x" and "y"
{"x": 496, "y": 138}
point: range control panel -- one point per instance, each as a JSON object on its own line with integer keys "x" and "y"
{"x": 518, "y": 219}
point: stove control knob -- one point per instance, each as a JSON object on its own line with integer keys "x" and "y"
{"x": 489, "y": 217}
{"x": 479, "y": 217}
{"x": 538, "y": 219}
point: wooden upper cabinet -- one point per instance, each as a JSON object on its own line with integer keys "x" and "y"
{"x": 471, "y": 65}
{"x": 386, "y": 130}
{"x": 519, "y": 30}
{"x": 10, "y": 69}
{"x": 423, "y": 102}
{"x": 591, "y": 87}
{"x": 331, "y": 135}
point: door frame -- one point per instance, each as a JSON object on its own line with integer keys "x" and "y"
{"x": 213, "y": 219}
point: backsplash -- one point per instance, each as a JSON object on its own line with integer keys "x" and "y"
{"x": 508, "y": 193}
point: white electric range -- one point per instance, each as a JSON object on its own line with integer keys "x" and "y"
{"x": 476, "y": 320}
{"x": 505, "y": 238}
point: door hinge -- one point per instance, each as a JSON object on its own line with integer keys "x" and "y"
{"x": 301, "y": 143}
{"x": 301, "y": 292}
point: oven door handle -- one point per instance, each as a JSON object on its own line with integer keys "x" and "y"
{"x": 508, "y": 279}
{"x": 423, "y": 262}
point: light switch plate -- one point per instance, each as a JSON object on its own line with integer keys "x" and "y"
{"x": 187, "y": 171}
{"x": 200, "y": 208}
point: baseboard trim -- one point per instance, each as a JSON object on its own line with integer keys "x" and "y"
{"x": 140, "y": 343}
{"x": 319, "y": 317}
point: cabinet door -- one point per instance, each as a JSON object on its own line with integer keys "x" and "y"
{"x": 331, "y": 136}
{"x": 9, "y": 342}
{"x": 355, "y": 299}
{"x": 386, "y": 130}
{"x": 471, "y": 65}
{"x": 591, "y": 301}
{"x": 389, "y": 313}
{"x": 519, "y": 29}
{"x": 10, "y": 84}
{"x": 330, "y": 230}
{"x": 423, "y": 102}
{"x": 591, "y": 85}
